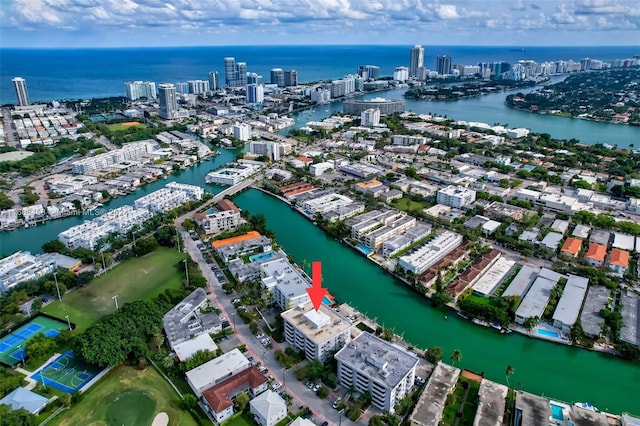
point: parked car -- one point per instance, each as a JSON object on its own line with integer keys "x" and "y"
{"x": 276, "y": 386}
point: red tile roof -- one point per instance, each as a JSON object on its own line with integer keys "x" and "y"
{"x": 217, "y": 396}
{"x": 596, "y": 252}
{"x": 225, "y": 204}
{"x": 619, "y": 258}
{"x": 572, "y": 246}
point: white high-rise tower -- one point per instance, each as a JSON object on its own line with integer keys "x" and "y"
{"x": 417, "y": 60}
{"x": 21, "y": 91}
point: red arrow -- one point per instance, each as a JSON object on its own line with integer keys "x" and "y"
{"x": 316, "y": 292}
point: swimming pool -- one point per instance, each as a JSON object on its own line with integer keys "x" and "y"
{"x": 326, "y": 301}
{"x": 556, "y": 412}
{"x": 547, "y": 333}
{"x": 260, "y": 257}
{"x": 364, "y": 249}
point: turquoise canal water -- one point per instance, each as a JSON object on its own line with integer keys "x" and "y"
{"x": 557, "y": 371}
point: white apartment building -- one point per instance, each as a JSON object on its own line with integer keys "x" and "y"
{"x": 123, "y": 218}
{"x": 325, "y": 203}
{"x": 85, "y": 235}
{"x": 317, "y": 333}
{"x": 274, "y": 150}
{"x": 370, "y": 117}
{"x": 286, "y": 283}
{"x": 370, "y": 364}
{"x": 408, "y": 140}
{"x": 362, "y": 224}
{"x": 216, "y": 370}
{"x": 375, "y": 239}
{"x": 140, "y": 89}
{"x": 456, "y": 196}
{"x": 215, "y": 222}
{"x": 235, "y": 173}
{"x": 404, "y": 240}
{"x": 22, "y": 266}
{"x": 242, "y": 131}
{"x": 69, "y": 185}
{"x": 319, "y": 168}
{"x": 161, "y": 200}
{"x": 194, "y": 192}
{"x": 430, "y": 252}
{"x": 129, "y": 151}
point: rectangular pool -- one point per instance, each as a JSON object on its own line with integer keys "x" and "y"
{"x": 260, "y": 257}
{"x": 556, "y": 412}
{"x": 547, "y": 333}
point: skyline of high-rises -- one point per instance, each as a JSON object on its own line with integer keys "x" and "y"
{"x": 277, "y": 76}
{"x": 20, "y": 84}
{"x": 290, "y": 78}
{"x": 214, "y": 81}
{"x": 416, "y": 60}
{"x": 443, "y": 65}
{"x": 229, "y": 71}
{"x": 140, "y": 89}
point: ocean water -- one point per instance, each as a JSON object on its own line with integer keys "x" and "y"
{"x": 86, "y": 73}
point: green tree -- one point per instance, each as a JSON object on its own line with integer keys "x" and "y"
{"x": 388, "y": 334}
{"x": 323, "y": 392}
{"x": 456, "y": 356}
{"x": 54, "y": 246}
{"x": 65, "y": 399}
{"x": 242, "y": 400}
{"x": 19, "y": 417}
{"x": 314, "y": 369}
{"x": 531, "y": 323}
{"x": 433, "y": 354}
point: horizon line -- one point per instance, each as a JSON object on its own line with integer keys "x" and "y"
{"x": 520, "y": 46}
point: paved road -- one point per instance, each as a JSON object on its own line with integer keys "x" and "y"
{"x": 302, "y": 396}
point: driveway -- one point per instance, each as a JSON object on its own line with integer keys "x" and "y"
{"x": 302, "y": 396}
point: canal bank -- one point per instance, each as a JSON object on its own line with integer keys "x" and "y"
{"x": 559, "y": 371}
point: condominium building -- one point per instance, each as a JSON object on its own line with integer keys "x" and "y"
{"x": 386, "y": 106}
{"x": 416, "y": 60}
{"x": 370, "y": 117}
{"x": 20, "y": 85}
{"x": 443, "y": 65}
{"x": 214, "y": 81}
{"x": 168, "y": 100}
{"x": 129, "y": 152}
{"x": 235, "y": 173}
{"x": 456, "y": 196}
{"x": 230, "y": 74}
{"x": 570, "y": 303}
{"x": 255, "y": 93}
{"x": 291, "y": 78}
{"x": 22, "y": 266}
{"x": 286, "y": 283}
{"x": 370, "y": 364}
{"x": 277, "y": 77}
{"x": 242, "y": 131}
{"x": 401, "y": 74}
{"x": 213, "y": 222}
{"x": 85, "y": 235}
{"x": 375, "y": 239}
{"x": 324, "y": 203}
{"x": 140, "y": 89}
{"x": 400, "y": 242}
{"x": 430, "y": 252}
{"x": 317, "y": 333}
{"x": 168, "y": 198}
{"x": 217, "y": 370}
{"x": 362, "y": 224}
{"x": 122, "y": 219}
{"x": 274, "y": 150}
{"x": 535, "y": 301}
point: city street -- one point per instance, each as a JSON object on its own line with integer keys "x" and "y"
{"x": 302, "y": 396}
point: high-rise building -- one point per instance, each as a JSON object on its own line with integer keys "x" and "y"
{"x": 370, "y": 117}
{"x": 168, "y": 101}
{"x": 22, "y": 95}
{"x": 401, "y": 74}
{"x": 241, "y": 74}
{"x": 369, "y": 72}
{"x": 290, "y": 78}
{"x": 214, "y": 81}
{"x": 140, "y": 89}
{"x": 255, "y": 93}
{"x": 182, "y": 87}
{"x": 198, "y": 87}
{"x": 253, "y": 78}
{"x": 230, "y": 74}
{"x": 443, "y": 65}
{"x": 277, "y": 77}
{"x": 417, "y": 60}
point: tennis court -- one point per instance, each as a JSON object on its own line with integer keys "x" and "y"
{"x": 12, "y": 346}
{"x": 66, "y": 373}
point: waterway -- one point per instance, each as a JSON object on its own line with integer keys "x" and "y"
{"x": 33, "y": 237}
{"x": 491, "y": 109}
{"x": 557, "y": 371}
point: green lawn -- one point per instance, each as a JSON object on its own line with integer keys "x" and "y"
{"x": 126, "y": 396}
{"x": 408, "y": 205}
{"x": 135, "y": 279}
{"x": 119, "y": 126}
{"x": 455, "y": 400}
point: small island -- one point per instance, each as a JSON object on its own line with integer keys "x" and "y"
{"x": 609, "y": 96}
{"x": 465, "y": 90}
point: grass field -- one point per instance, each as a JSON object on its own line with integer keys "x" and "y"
{"x": 126, "y": 396}
{"x": 124, "y": 126}
{"x": 135, "y": 279}
{"x": 408, "y": 205}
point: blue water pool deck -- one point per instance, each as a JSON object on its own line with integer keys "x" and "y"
{"x": 548, "y": 333}
{"x": 327, "y": 301}
{"x": 559, "y": 411}
{"x": 260, "y": 257}
{"x": 364, "y": 249}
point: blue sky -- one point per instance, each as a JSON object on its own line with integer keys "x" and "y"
{"x": 122, "y": 23}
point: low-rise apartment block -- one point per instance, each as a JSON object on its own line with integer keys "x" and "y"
{"x": 537, "y": 298}
{"x": 22, "y": 266}
{"x": 286, "y": 283}
{"x": 128, "y": 152}
{"x": 370, "y": 364}
{"x": 430, "y": 252}
{"x": 217, "y": 370}
{"x": 317, "y": 333}
{"x": 410, "y": 236}
{"x": 234, "y": 173}
{"x": 374, "y": 239}
{"x": 570, "y": 303}
{"x": 252, "y": 241}
{"x": 215, "y": 221}
{"x": 456, "y": 196}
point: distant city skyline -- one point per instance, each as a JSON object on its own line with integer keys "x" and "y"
{"x": 140, "y": 23}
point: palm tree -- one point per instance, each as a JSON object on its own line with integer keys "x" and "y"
{"x": 531, "y": 323}
{"x": 456, "y": 356}
{"x": 509, "y": 371}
